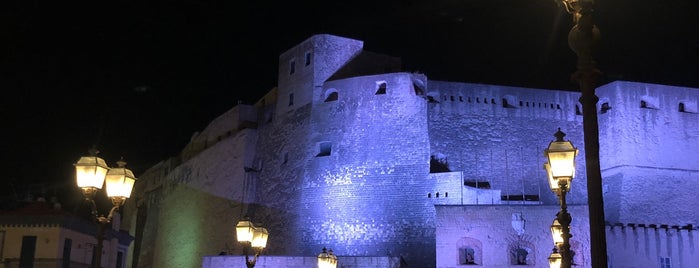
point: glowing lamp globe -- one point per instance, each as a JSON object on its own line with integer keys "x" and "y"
{"x": 555, "y": 259}
{"x": 259, "y": 238}
{"x": 119, "y": 183}
{"x": 561, "y": 158}
{"x": 553, "y": 182}
{"x": 244, "y": 230}
{"x": 327, "y": 259}
{"x": 557, "y": 232}
{"x": 90, "y": 172}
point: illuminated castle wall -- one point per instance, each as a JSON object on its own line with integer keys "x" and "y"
{"x": 352, "y": 154}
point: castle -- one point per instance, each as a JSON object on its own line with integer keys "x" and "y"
{"x": 351, "y": 153}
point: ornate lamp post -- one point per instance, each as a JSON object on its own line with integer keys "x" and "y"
{"x": 583, "y": 39}
{"x": 252, "y": 236}
{"x": 327, "y": 259}
{"x": 91, "y": 174}
{"x": 561, "y": 170}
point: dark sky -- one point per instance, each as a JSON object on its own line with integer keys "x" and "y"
{"x": 138, "y": 78}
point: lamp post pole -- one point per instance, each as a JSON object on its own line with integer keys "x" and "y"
{"x": 564, "y": 219}
{"x": 561, "y": 170}
{"x": 582, "y": 39}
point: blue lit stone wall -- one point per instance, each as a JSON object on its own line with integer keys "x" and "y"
{"x": 503, "y": 143}
{"x": 367, "y": 198}
{"x": 649, "y": 155}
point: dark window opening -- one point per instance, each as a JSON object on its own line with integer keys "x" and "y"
{"x": 520, "y": 103}
{"x": 67, "y": 246}
{"x": 492, "y": 101}
{"x": 520, "y": 197}
{"x": 521, "y": 256}
{"x": 478, "y": 100}
{"x": 292, "y": 67}
{"x": 477, "y": 184}
{"x": 436, "y": 195}
{"x": 665, "y": 262}
{"x": 506, "y": 104}
{"x": 605, "y": 107}
{"x": 331, "y": 97}
{"x": 467, "y": 256}
{"x": 286, "y": 158}
{"x": 431, "y": 99}
{"x": 429, "y": 195}
{"x": 461, "y": 99}
{"x": 26, "y": 256}
{"x": 325, "y": 149}
{"x": 291, "y": 99}
{"x": 558, "y": 106}
{"x": 681, "y": 108}
{"x": 382, "y": 89}
{"x": 446, "y": 194}
{"x": 418, "y": 90}
{"x": 308, "y": 58}
{"x": 577, "y": 110}
{"x": 644, "y": 104}
{"x": 452, "y": 98}
{"x": 469, "y": 99}
{"x": 120, "y": 260}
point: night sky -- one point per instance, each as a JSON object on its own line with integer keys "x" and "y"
{"x": 138, "y": 78}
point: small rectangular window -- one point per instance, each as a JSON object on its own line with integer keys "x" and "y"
{"x": 308, "y": 58}
{"x": 291, "y": 99}
{"x": 665, "y": 262}
{"x": 325, "y": 148}
{"x": 292, "y": 67}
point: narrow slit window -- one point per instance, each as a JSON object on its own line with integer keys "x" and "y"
{"x": 308, "y": 58}
{"x": 292, "y": 67}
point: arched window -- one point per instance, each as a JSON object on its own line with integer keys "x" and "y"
{"x": 331, "y": 95}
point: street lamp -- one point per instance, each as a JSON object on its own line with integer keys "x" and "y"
{"x": 327, "y": 259}
{"x": 583, "y": 39}
{"x": 91, "y": 174}
{"x": 561, "y": 170}
{"x": 555, "y": 259}
{"x": 251, "y": 236}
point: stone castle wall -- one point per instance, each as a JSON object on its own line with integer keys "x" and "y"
{"x": 351, "y": 171}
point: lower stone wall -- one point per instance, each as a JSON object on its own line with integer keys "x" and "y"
{"x": 652, "y": 246}
{"x": 300, "y": 262}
